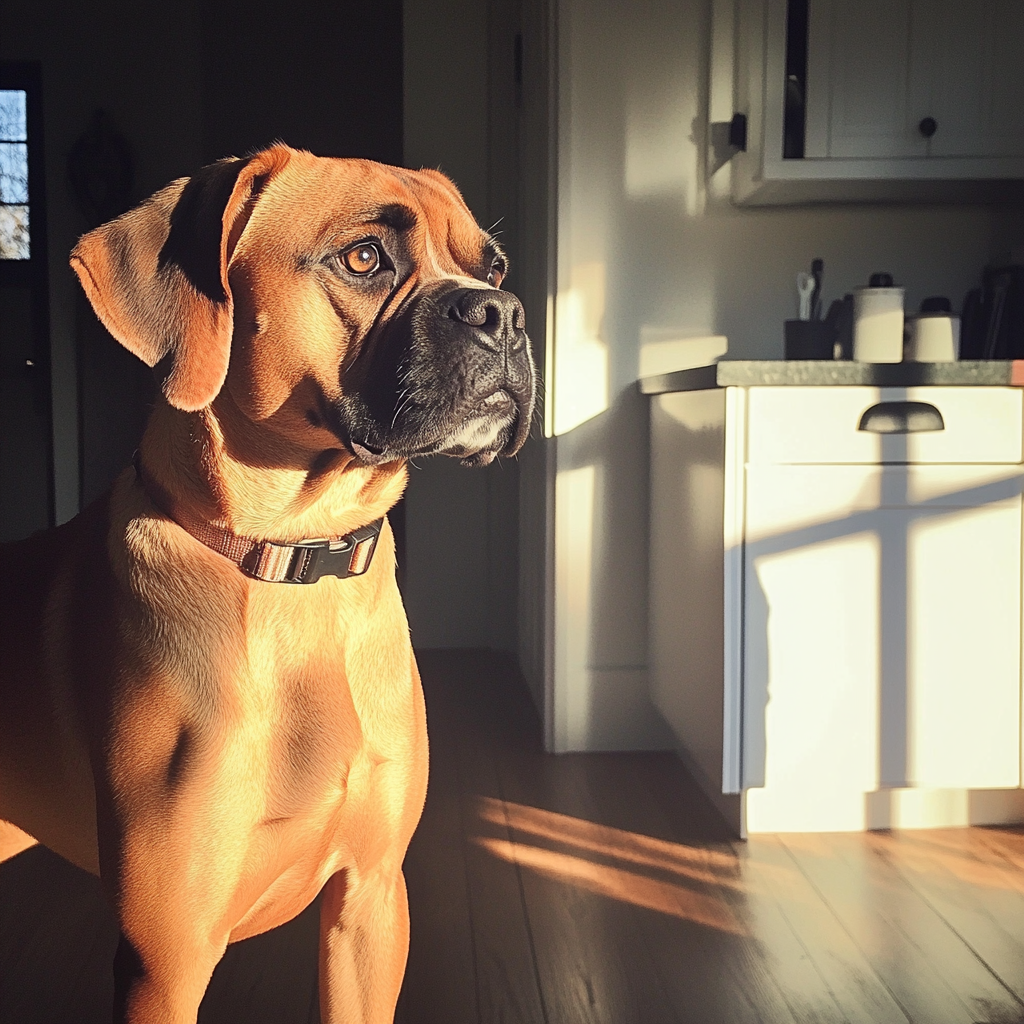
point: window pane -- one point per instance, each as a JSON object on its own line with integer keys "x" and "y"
{"x": 13, "y": 116}
{"x": 14, "y": 240}
{"x": 13, "y": 172}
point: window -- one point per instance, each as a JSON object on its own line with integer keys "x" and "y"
{"x": 15, "y": 232}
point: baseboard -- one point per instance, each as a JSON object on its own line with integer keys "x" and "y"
{"x": 943, "y": 808}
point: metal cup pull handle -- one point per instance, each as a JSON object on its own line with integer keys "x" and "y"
{"x": 901, "y": 418}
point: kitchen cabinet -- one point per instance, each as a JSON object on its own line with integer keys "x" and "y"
{"x": 880, "y": 69}
{"x": 902, "y": 100}
{"x": 836, "y": 613}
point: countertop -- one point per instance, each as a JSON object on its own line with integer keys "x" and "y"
{"x": 824, "y": 372}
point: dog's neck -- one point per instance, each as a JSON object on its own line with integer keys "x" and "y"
{"x": 290, "y": 493}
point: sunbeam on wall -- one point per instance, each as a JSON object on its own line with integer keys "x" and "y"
{"x": 574, "y": 532}
{"x": 580, "y": 389}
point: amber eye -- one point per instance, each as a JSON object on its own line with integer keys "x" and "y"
{"x": 361, "y": 259}
{"x": 495, "y": 276}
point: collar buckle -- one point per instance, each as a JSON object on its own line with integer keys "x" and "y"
{"x": 309, "y": 560}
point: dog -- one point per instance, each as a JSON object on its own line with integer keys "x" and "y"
{"x": 208, "y": 695}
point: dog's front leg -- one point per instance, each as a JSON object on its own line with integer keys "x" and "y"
{"x": 171, "y": 889}
{"x": 150, "y": 990}
{"x": 364, "y": 945}
{"x": 162, "y": 979}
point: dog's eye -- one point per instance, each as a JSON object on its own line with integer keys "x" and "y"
{"x": 362, "y": 259}
{"x": 496, "y": 275}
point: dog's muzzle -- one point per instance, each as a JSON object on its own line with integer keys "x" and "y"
{"x": 451, "y": 374}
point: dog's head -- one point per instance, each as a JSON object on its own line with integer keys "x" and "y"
{"x": 329, "y": 300}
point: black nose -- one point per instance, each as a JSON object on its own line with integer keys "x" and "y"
{"x": 498, "y": 316}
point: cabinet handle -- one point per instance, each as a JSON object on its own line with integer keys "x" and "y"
{"x": 738, "y": 132}
{"x": 901, "y": 418}
{"x": 927, "y": 126}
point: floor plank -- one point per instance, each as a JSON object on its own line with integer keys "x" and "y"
{"x": 440, "y": 979}
{"x": 714, "y": 969}
{"x": 974, "y": 896}
{"x": 860, "y": 996}
{"x": 1008, "y": 846}
{"x": 920, "y": 959}
{"x": 507, "y": 980}
{"x": 592, "y": 951}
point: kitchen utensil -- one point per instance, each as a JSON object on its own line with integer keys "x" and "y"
{"x": 840, "y": 316}
{"x": 804, "y": 290}
{"x": 817, "y": 272}
{"x": 993, "y": 316}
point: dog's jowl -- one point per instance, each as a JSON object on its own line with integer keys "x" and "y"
{"x": 207, "y": 691}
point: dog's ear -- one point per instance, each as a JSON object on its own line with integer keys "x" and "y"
{"x": 157, "y": 276}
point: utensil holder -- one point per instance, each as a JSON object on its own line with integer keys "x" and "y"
{"x": 808, "y": 339}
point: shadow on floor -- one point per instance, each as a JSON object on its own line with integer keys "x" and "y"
{"x": 57, "y": 943}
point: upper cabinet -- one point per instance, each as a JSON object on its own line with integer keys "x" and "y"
{"x": 879, "y": 99}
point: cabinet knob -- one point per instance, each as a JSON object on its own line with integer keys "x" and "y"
{"x": 927, "y": 126}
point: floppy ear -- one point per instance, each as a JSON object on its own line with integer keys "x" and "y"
{"x": 157, "y": 276}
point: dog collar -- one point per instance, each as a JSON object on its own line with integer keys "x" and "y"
{"x": 303, "y": 561}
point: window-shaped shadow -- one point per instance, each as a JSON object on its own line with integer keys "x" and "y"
{"x": 881, "y": 642}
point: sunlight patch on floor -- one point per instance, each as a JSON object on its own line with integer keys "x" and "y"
{"x": 619, "y": 873}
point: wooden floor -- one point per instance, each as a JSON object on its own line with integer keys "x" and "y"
{"x": 594, "y": 888}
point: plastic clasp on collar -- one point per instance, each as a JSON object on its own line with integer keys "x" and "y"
{"x": 308, "y": 561}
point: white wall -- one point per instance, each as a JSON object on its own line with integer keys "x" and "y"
{"x": 649, "y": 248}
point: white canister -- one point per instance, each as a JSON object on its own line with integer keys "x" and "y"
{"x": 878, "y": 325}
{"x": 932, "y": 338}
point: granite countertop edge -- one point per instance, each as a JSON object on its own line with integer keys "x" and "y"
{"x": 821, "y": 372}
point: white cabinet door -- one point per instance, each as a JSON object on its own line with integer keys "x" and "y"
{"x": 811, "y": 647}
{"x": 881, "y": 636}
{"x": 961, "y": 661}
{"x": 858, "y": 72}
{"x": 968, "y": 75}
{"x": 877, "y": 68}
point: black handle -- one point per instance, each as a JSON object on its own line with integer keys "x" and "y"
{"x": 927, "y": 126}
{"x": 901, "y": 418}
{"x": 738, "y": 132}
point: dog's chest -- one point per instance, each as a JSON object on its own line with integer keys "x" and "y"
{"x": 337, "y": 732}
{"x": 322, "y": 699}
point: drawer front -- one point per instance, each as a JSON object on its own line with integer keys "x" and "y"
{"x": 797, "y": 425}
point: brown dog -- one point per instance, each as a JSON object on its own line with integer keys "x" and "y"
{"x": 178, "y": 713}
